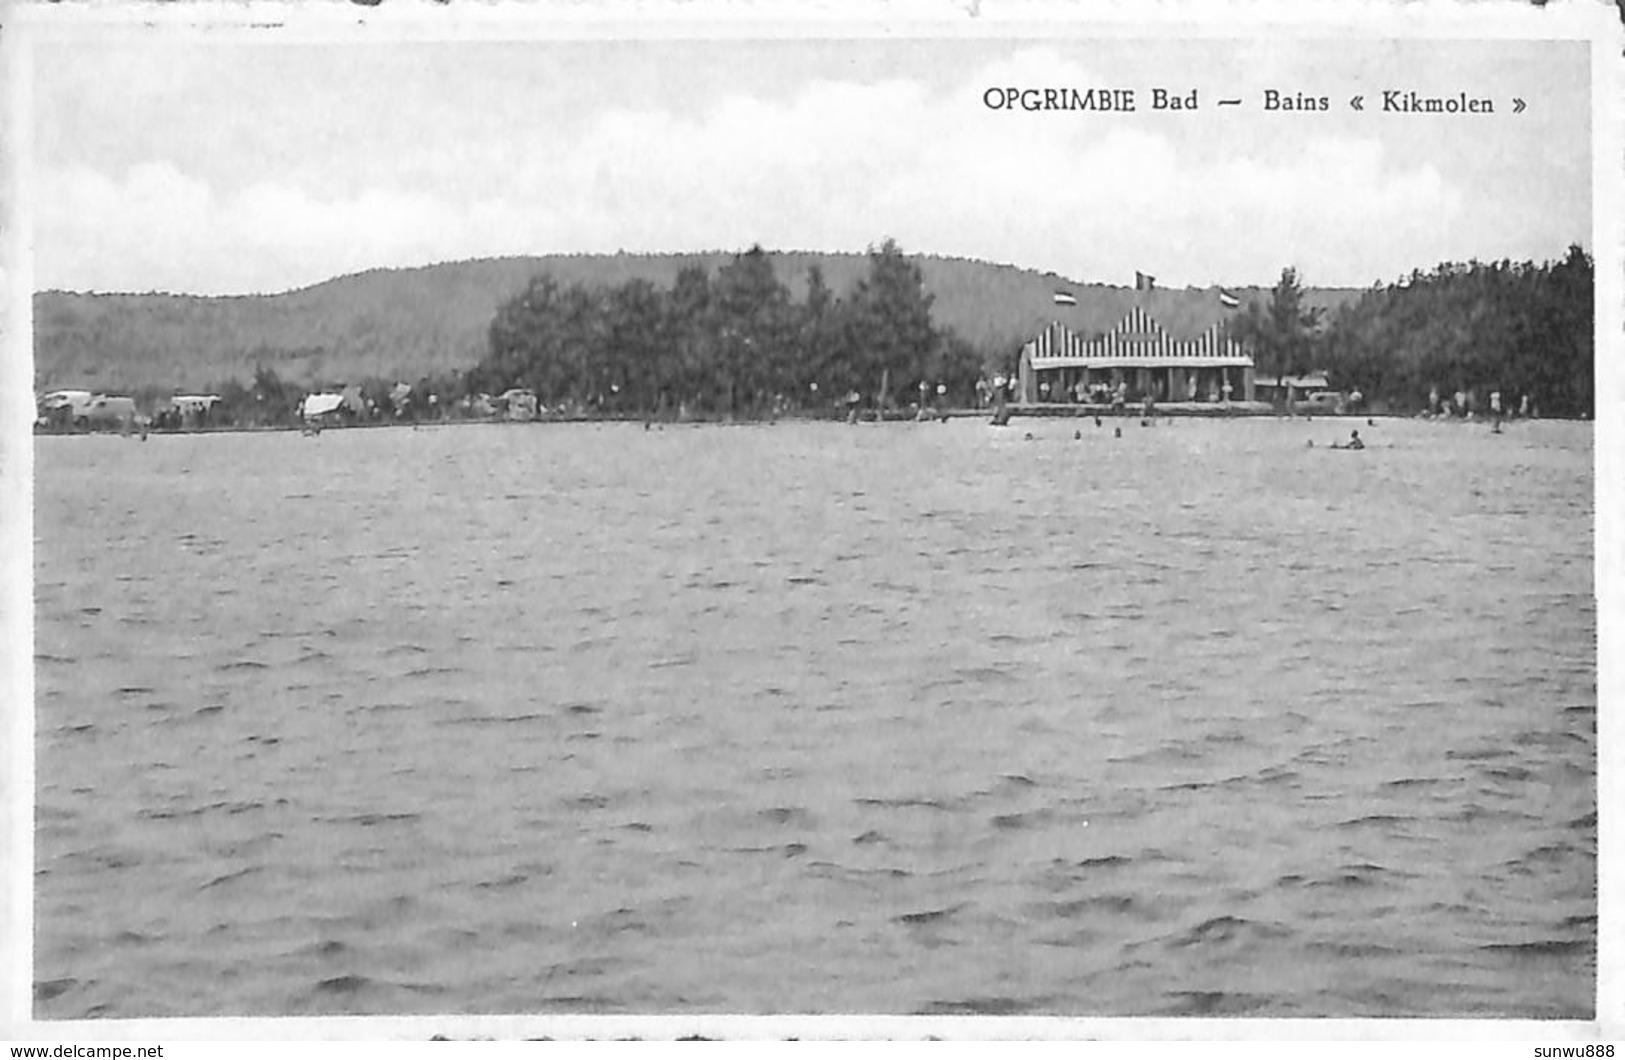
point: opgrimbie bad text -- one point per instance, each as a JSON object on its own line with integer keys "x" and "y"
{"x": 1115, "y": 100}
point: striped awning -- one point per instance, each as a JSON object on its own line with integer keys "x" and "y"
{"x": 1147, "y": 361}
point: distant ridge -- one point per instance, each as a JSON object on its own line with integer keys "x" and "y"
{"x": 407, "y": 322}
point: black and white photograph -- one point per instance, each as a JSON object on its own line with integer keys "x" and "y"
{"x": 1080, "y": 526}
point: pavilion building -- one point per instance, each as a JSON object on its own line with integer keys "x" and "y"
{"x": 1060, "y": 365}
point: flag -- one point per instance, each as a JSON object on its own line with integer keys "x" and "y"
{"x": 1142, "y": 282}
{"x": 1228, "y": 300}
{"x": 1063, "y": 297}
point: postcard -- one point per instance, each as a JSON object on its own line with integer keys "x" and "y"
{"x": 978, "y": 521}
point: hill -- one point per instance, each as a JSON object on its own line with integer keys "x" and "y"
{"x": 405, "y": 323}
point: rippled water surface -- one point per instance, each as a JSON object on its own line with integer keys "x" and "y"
{"x": 815, "y": 718}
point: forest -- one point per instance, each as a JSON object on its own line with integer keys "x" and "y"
{"x": 1520, "y": 328}
{"x": 732, "y": 343}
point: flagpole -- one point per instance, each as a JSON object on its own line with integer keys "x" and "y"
{"x": 1064, "y": 298}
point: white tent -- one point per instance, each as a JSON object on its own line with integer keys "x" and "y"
{"x": 317, "y": 405}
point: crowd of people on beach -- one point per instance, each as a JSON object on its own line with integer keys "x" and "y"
{"x": 1463, "y": 405}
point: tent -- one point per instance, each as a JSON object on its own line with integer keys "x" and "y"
{"x": 316, "y": 406}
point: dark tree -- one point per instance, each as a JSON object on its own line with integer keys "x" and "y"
{"x": 634, "y": 343}
{"x": 817, "y": 378}
{"x": 1518, "y": 328}
{"x": 543, "y": 340}
{"x": 689, "y": 333}
{"x": 888, "y": 323}
{"x": 1282, "y": 335}
{"x": 274, "y": 401}
{"x": 753, "y": 330}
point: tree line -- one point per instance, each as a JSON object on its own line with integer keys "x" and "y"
{"x": 732, "y": 343}
{"x": 1518, "y": 328}
{"x": 728, "y": 342}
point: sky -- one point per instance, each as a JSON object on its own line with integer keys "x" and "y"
{"x": 261, "y": 165}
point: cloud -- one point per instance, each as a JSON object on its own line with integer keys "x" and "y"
{"x": 157, "y": 228}
{"x": 836, "y": 165}
{"x": 840, "y": 166}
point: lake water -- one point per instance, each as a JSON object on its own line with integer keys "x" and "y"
{"x": 819, "y": 719}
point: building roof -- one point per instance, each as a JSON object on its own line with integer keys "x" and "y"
{"x": 1137, "y": 339}
{"x": 1183, "y": 313}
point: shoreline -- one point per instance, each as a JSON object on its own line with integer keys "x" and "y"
{"x": 1172, "y": 410}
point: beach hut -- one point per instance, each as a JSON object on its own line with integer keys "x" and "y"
{"x": 1292, "y": 388}
{"x": 188, "y": 410}
{"x": 111, "y": 412}
{"x": 62, "y": 409}
{"x": 520, "y": 404}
